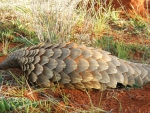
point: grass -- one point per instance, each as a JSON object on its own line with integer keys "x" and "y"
{"x": 28, "y": 99}
{"x": 30, "y": 22}
{"x": 15, "y": 32}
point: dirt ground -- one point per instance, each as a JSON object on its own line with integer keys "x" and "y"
{"x": 133, "y": 100}
{"x": 111, "y": 100}
{"x": 139, "y": 6}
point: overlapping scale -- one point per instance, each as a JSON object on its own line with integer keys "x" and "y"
{"x": 70, "y": 45}
{"x": 47, "y": 72}
{"x": 57, "y": 53}
{"x": 49, "y": 53}
{"x": 56, "y": 77}
{"x": 86, "y": 76}
{"x": 102, "y": 65}
{"x": 65, "y": 79}
{"x": 112, "y": 83}
{"x": 75, "y": 52}
{"x": 65, "y": 53}
{"x": 88, "y": 85}
{"x": 105, "y": 77}
{"x": 52, "y": 64}
{"x": 38, "y": 69}
{"x": 119, "y": 77}
{"x": 93, "y": 64}
{"x": 75, "y": 77}
{"x": 96, "y": 54}
{"x": 61, "y": 45}
{"x": 44, "y": 60}
{"x": 43, "y": 81}
{"x": 111, "y": 68}
{"x": 36, "y": 59}
{"x": 86, "y": 53}
{"x": 71, "y": 65}
{"x": 82, "y": 65}
{"x": 33, "y": 77}
{"x": 79, "y": 86}
{"x": 78, "y": 66}
{"x": 41, "y": 51}
{"x": 60, "y": 66}
{"x": 96, "y": 75}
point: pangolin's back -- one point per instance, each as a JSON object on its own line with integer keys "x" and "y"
{"x": 78, "y": 66}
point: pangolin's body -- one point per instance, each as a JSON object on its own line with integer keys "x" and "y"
{"x": 76, "y": 66}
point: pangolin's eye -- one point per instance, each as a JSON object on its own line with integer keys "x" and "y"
{"x": 11, "y": 64}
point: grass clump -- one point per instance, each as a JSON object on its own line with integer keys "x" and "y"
{"x": 15, "y": 32}
{"x": 16, "y": 104}
{"x": 133, "y": 52}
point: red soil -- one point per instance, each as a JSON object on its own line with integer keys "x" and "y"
{"x": 141, "y": 7}
{"x": 135, "y": 100}
{"x": 114, "y": 100}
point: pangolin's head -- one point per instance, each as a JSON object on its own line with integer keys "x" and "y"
{"x": 10, "y": 62}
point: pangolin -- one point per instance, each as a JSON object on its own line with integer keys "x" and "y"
{"x": 76, "y": 67}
